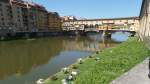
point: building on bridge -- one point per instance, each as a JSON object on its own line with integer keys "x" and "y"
{"x": 127, "y": 23}
{"x": 69, "y": 18}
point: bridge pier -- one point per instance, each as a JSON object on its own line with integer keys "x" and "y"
{"x": 2, "y": 37}
{"x": 107, "y": 34}
{"x": 27, "y": 35}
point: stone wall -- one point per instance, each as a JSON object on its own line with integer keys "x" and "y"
{"x": 144, "y": 30}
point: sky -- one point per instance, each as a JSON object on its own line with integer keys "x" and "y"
{"x": 93, "y": 8}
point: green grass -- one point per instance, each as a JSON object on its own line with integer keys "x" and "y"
{"x": 113, "y": 62}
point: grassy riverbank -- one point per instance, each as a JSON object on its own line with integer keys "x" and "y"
{"x": 113, "y": 62}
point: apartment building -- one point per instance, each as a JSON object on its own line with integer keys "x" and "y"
{"x": 17, "y": 7}
{"x": 39, "y": 14}
{"x": 54, "y": 21}
{"x": 34, "y": 17}
{"x": 11, "y": 15}
{"x": 5, "y": 14}
{"x": 19, "y": 15}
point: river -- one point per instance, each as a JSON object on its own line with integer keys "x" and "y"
{"x": 25, "y": 61}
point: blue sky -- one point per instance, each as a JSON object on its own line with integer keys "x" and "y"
{"x": 93, "y": 8}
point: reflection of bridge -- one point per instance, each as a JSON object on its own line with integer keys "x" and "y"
{"x": 113, "y": 30}
{"x": 87, "y": 45}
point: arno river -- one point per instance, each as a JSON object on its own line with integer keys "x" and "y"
{"x": 25, "y": 61}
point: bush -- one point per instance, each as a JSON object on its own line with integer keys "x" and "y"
{"x": 54, "y": 77}
{"x": 74, "y": 66}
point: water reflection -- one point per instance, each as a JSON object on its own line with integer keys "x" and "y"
{"x": 20, "y": 57}
{"x": 24, "y": 61}
{"x": 91, "y": 43}
{"x": 120, "y": 36}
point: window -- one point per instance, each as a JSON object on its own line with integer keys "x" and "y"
{"x": 18, "y": 10}
{"x": 18, "y": 20}
{"x": 3, "y": 23}
{"x": 0, "y": 9}
{"x": 2, "y": 19}
{"x": 1, "y": 14}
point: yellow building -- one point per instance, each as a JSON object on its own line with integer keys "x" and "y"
{"x": 54, "y": 21}
{"x": 38, "y": 17}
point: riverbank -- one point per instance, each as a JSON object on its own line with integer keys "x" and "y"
{"x": 112, "y": 63}
{"x": 28, "y": 35}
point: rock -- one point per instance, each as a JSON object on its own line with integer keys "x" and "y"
{"x": 64, "y": 81}
{"x": 97, "y": 58}
{"x": 40, "y": 81}
{"x": 69, "y": 78}
{"x": 80, "y": 61}
{"x": 65, "y": 70}
{"x": 74, "y": 73}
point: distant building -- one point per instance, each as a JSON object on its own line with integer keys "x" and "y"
{"x": 69, "y": 18}
{"x": 54, "y": 21}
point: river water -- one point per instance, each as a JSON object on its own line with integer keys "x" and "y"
{"x": 25, "y": 61}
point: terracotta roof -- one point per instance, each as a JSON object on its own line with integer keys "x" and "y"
{"x": 19, "y": 3}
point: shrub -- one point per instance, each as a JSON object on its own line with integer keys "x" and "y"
{"x": 74, "y": 66}
{"x": 54, "y": 77}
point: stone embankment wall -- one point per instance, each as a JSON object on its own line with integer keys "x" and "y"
{"x": 144, "y": 30}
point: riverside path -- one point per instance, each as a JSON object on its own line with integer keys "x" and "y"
{"x": 137, "y": 75}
